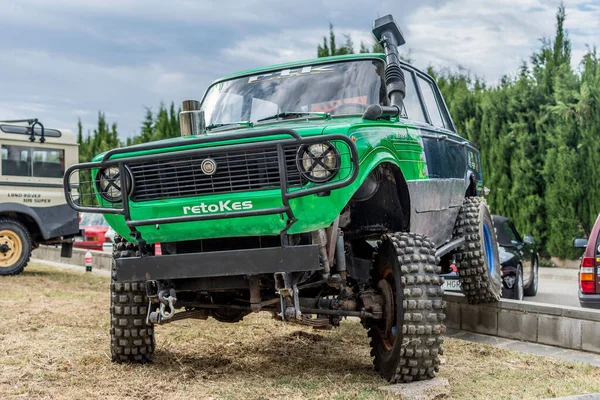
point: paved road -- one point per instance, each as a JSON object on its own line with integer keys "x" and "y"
{"x": 557, "y": 286}
{"x": 563, "y": 293}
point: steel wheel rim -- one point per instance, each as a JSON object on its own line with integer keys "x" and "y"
{"x": 388, "y": 340}
{"x": 488, "y": 248}
{"x": 15, "y": 248}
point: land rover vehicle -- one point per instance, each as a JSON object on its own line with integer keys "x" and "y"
{"x": 271, "y": 200}
{"x": 519, "y": 262}
{"x": 589, "y": 272}
{"x": 33, "y": 210}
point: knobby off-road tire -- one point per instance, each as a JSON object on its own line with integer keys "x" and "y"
{"x": 131, "y": 338}
{"x": 410, "y": 352}
{"x": 16, "y": 240}
{"x": 477, "y": 260}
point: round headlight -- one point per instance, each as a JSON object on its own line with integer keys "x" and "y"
{"x": 109, "y": 183}
{"x": 318, "y": 162}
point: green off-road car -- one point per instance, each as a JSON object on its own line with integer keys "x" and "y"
{"x": 315, "y": 190}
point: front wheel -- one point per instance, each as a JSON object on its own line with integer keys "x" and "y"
{"x": 15, "y": 246}
{"x": 532, "y": 289}
{"x": 478, "y": 260}
{"x": 406, "y": 343}
{"x": 517, "y": 291}
{"x": 131, "y": 336}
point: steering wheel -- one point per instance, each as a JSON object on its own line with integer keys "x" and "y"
{"x": 357, "y": 108}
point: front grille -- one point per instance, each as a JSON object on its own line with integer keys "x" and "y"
{"x": 237, "y": 171}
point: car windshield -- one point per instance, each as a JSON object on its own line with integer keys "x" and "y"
{"x": 92, "y": 220}
{"x": 337, "y": 88}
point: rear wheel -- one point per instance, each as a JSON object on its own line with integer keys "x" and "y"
{"x": 15, "y": 246}
{"x": 131, "y": 337}
{"x": 406, "y": 343}
{"x": 478, "y": 260}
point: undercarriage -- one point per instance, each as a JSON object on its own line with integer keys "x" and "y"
{"x": 315, "y": 281}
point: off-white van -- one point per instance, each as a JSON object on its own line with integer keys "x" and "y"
{"x": 33, "y": 210}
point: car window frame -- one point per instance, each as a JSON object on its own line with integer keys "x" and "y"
{"x": 517, "y": 235}
{"x": 446, "y": 117}
{"x": 422, "y": 80}
{"x": 413, "y": 76}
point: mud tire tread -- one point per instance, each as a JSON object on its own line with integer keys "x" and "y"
{"x": 423, "y": 310}
{"x": 131, "y": 338}
{"x": 476, "y": 282}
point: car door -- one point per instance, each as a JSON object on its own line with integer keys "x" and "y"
{"x": 524, "y": 251}
{"x": 437, "y": 200}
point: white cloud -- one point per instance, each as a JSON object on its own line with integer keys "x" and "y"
{"x": 119, "y": 56}
{"x": 492, "y": 39}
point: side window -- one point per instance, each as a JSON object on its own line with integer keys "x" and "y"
{"x": 32, "y": 162}
{"x": 431, "y": 103}
{"x": 515, "y": 233}
{"x": 48, "y": 163}
{"x": 16, "y": 161}
{"x": 510, "y": 233}
{"x": 412, "y": 104}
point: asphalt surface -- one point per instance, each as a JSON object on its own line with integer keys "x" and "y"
{"x": 557, "y": 286}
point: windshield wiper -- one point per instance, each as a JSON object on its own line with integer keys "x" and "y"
{"x": 295, "y": 114}
{"x": 214, "y": 126}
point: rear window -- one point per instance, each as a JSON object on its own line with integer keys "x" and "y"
{"x": 32, "y": 162}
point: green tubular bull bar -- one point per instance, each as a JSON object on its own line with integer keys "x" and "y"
{"x": 119, "y": 158}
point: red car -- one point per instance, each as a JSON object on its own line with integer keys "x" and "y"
{"x": 94, "y": 227}
{"x": 589, "y": 272}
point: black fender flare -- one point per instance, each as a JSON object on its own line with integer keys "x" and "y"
{"x": 28, "y": 211}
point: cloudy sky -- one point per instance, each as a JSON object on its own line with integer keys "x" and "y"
{"x": 66, "y": 59}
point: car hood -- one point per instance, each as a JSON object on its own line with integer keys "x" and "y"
{"x": 304, "y": 126}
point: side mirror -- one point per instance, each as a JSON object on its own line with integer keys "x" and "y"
{"x": 528, "y": 240}
{"x": 580, "y": 243}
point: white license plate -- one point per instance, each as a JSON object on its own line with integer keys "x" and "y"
{"x": 452, "y": 285}
{"x": 78, "y": 239}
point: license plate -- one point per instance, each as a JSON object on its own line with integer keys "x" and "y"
{"x": 78, "y": 239}
{"x": 452, "y": 285}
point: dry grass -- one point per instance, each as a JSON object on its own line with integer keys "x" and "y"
{"x": 54, "y": 344}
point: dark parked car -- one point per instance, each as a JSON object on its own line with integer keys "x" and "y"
{"x": 518, "y": 258}
{"x": 589, "y": 272}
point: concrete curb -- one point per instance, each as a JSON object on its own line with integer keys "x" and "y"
{"x": 72, "y": 267}
{"x": 567, "y": 327}
{"x": 100, "y": 260}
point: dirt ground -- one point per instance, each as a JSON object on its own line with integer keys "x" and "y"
{"x": 54, "y": 344}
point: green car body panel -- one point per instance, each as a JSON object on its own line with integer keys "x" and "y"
{"x": 395, "y": 142}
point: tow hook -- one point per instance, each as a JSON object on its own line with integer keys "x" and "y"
{"x": 166, "y": 309}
